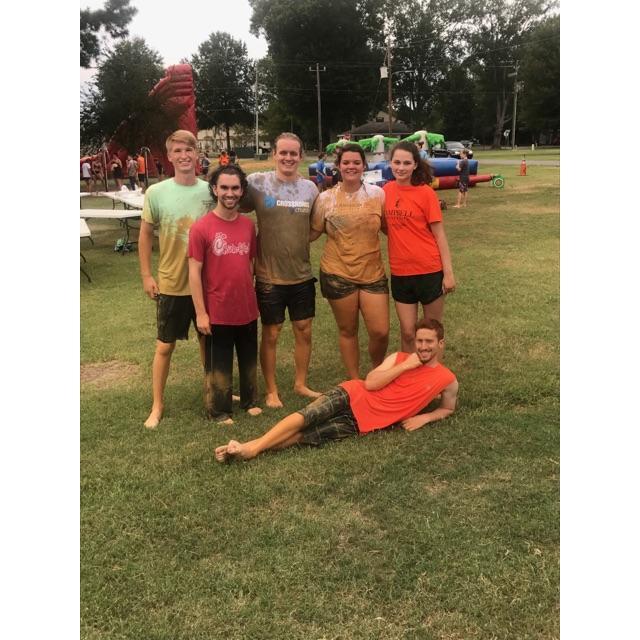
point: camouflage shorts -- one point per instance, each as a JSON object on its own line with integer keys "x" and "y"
{"x": 329, "y": 417}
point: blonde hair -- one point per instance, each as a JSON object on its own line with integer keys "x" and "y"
{"x": 181, "y": 135}
{"x": 287, "y": 135}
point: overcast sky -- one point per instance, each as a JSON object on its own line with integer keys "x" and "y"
{"x": 176, "y": 29}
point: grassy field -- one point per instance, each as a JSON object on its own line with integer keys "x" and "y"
{"x": 450, "y": 532}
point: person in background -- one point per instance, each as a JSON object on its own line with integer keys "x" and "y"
{"x": 419, "y": 256}
{"x": 233, "y": 156}
{"x": 86, "y": 175}
{"x": 160, "y": 170}
{"x": 97, "y": 174}
{"x": 204, "y": 165}
{"x": 424, "y": 155}
{"x": 463, "y": 181}
{"x": 223, "y": 160}
{"x": 132, "y": 172}
{"x": 321, "y": 171}
{"x": 352, "y": 275}
{"x": 116, "y": 171}
{"x": 143, "y": 180}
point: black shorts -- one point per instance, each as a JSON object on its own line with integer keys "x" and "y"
{"x": 142, "y": 177}
{"x": 117, "y": 173}
{"x": 328, "y": 417}
{"x": 424, "y": 288}
{"x": 335, "y": 287}
{"x": 174, "y": 314}
{"x": 463, "y": 185}
{"x": 273, "y": 299}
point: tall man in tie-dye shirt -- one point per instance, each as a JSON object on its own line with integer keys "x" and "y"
{"x": 171, "y": 206}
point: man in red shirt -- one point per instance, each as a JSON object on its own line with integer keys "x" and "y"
{"x": 222, "y": 250}
{"x": 395, "y": 393}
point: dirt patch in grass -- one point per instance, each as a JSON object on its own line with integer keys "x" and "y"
{"x": 104, "y": 375}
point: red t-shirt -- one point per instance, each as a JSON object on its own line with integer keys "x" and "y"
{"x": 226, "y": 250}
{"x": 408, "y": 212}
{"x": 402, "y": 398}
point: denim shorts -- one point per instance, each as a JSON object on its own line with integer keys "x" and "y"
{"x": 274, "y": 299}
{"x": 335, "y": 287}
{"x": 328, "y": 417}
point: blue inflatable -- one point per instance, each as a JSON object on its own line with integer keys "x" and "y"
{"x": 441, "y": 167}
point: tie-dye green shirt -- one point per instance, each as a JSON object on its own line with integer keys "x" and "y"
{"x": 173, "y": 208}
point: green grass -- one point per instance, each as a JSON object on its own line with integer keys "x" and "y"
{"x": 546, "y": 153}
{"x": 449, "y": 532}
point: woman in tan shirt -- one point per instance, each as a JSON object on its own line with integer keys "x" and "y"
{"x": 352, "y": 276}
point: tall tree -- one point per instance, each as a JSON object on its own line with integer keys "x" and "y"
{"x": 540, "y": 73}
{"x": 112, "y": 19}
{"x": 335, "y": 34}
{"x": 498, "y": 30}
{"x": 118, "y": 93}
{"x": 223, "y": 77}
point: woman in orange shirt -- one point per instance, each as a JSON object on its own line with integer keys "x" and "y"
{"x": 419, "y": 256}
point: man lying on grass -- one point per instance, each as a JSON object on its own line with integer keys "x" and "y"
{"x": 393, "y": 393}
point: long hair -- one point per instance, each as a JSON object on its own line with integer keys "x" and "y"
{"x": 422, "y": 174}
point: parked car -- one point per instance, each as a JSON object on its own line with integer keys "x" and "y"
{"x": 454, "y": 148}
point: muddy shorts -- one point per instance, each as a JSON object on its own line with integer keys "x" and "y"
{"x": 328, "y": 417}
{"x": 274, "y": 299}
{"x": 335, "y": 287}
{"x": 463, "y": 185}
{"x": 174, "y": 314}
{"x": 424, "y": 288}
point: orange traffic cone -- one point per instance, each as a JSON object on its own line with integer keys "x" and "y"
{"x": 523, "y": 167}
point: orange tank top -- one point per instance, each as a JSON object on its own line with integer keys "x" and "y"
{"x": 403, "y": 398}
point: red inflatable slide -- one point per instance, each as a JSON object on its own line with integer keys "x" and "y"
{"x": 177, "y": 98}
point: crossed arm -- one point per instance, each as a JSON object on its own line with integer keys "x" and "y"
{"x": 387, "y": 372}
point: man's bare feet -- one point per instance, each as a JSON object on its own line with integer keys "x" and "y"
{"x": 233, "y": 450}
{"x": 235, "y": 398}
{"x": 225, "y": 421}
{"x": 456, "y": 206}
{"x": 272, "y": 400}
{"x": 154, "y": 418}
{"x": 306, "y": 392}
{"x": 254, "y": 411}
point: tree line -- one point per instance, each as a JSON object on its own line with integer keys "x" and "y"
{"x": 456, "y": 67}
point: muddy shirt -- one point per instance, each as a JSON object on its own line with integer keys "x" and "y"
{"x": 283, "y": 210}
{"x": 352, "y": 223}
{"x": 173, "y": 208}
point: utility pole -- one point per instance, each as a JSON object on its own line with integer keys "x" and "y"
{"x": 256, "y": 104}
{"x": 389, "y": 83}
{"x": 515, "y": 105}
{"x": 318, "y": 70}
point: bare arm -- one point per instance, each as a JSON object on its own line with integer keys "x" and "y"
{"x": 449, "y": 281}
{"x": 195, "y": 284}
{"x": 145, "y": 245}
{"x": 387, "y": 372}
{"x": 446, "y": 408}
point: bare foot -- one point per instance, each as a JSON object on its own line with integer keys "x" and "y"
{"x": 254, "y": 411}
{"x": 235, "y": 398}
{"x": 225, "y": 421}
{"x": 272, "y": 400}
{"x": 455, "y": 206}
{"x": 233, "y": 450}
{"x": 306, "y": 392}
{"x": 154, "y": 418}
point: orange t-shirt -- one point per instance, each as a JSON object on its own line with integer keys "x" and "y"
{"x": 402, "y": 398}
{"x": 140, "y": 164}
{"x": 408, "y": 212}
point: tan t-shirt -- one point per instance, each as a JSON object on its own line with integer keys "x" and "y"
{"x": 352, "y": 224}
{"x": 282, "y": 210}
